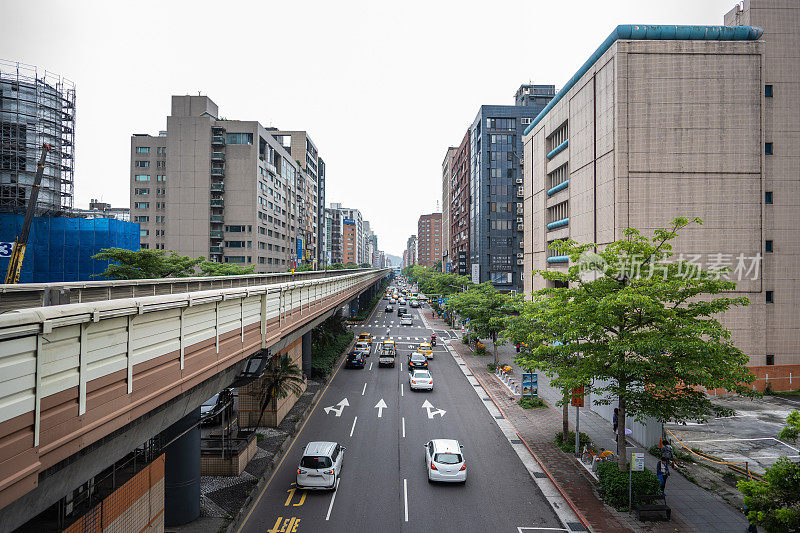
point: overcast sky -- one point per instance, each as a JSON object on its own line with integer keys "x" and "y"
{"x": 383, "y": 88}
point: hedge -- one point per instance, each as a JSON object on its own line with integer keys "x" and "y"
{"x": 569, "y": 445}
{"x": 323, "y": 359}
{"x": 614, "y": 484}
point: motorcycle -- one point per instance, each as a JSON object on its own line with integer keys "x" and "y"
{"x": 433, "y": 340}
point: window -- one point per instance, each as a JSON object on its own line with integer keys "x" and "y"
{"x": 141, "y": 177}
{"x": 239, "y": 138}
{"x": 142, "y": 205}
{"x": 141, "y": 191}
{"x": 144, "y": 232}
{"x": 143, "y": 149}
{"x": 768, "y": 197}
{"x": 141, "y": 219}
{"x": 234, "y": 259}
{"x": 234, "y": 228}
{"x": 768, "y": 94}
{"x": 525, "y": 121}
{"x": 144, "y": 246}
{"x": 234, "y": 244}
{"x": 161, "y": 178}
{"x": 143, "y": 164}
{"x": 768, "y": 246}
{"x": 768, "y": 148}
{"x": 770, "y": 356}
{"x": 769, "y": 296}
{"x": 161, "y": 150}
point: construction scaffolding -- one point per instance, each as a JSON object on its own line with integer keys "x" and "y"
{"x": 36, "y": 107}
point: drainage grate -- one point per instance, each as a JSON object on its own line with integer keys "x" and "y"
{"x": 477, "y": 386}
{"x": 500, "y": 417}
{"x": 575, "y": 526}
{"x": 539, "y": 474}
{"x": 515, "y": 441}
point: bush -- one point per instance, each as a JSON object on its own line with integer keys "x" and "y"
{"x": 491, "y": 367}
{"x": 614, "y": 484}
{"x": 323, "y": 358}
{"x": 536, "y": 403}
{"x": 465, "y": 339}
{"x": 569, "y": 445}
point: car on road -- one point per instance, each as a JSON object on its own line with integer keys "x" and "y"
{"x": 393, "y": 301}
{"x": 401, "y": 301}
{"x": 426, "y": 349}
{"x": 401, "y": 310}
{"x": 363, "y": 348}
{"x": 414, "y": 303}
{"x": 420, "y": 380}
{"x": 365, "y": 337}
{"x": 406, "y": 320}
{"x": 355, "y": 360}
{"x": 445, "y": 461}
{"x": 211, "y": 410}
{"x": 320, "y": 466}
{"x": 417, "y": 360}
{"x": 389, "y": 308}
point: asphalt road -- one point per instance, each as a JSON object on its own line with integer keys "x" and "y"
{"x": 383, "y": 486}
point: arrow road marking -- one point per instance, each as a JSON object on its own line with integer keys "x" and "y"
{"x": 380, "y": 406}
{"x": 428, "y": 406}
{"x": 341, "y": 405}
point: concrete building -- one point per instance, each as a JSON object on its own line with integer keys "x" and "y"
{"x": 99, "y": 209}
{"x": 447, "y": 176}
{"x": 347, "y": 235}
{"x": 495, "y": 226}
{"x": 458, "y": 219}
{"x": 666, "y": 121}
{"x": 411, "y": 251}
{"x": 429, "y": 239}
{"x": 36, "y": 107}
{"x": 226, "y": 190}
{"x": 305, "y": 152}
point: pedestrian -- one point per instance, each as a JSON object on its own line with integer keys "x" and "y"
{"x": 517, "y": 347}
{"x": 668, "y": 454}
{"x": 662, "y": 472}
{"x": 616, "y": 419}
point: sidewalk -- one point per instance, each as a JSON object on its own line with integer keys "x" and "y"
{"x": 693, "y": 508}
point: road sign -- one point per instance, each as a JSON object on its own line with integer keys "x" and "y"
{"x": 380, "y": 406}
{"x": 440, "y": 300}
{"x": 6, "y": 248}
{"x": 530, "y": 385}
{"x": 341, "y": 405}
{"x": 428, "y": 406}
{"x": 577, "y": 397}
{"x": 637, "y": 462}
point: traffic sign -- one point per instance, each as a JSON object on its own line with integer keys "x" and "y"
{"x": 637, "y": 462}
{"x": 530, "y": 385}
{"x": 577, "y": 397}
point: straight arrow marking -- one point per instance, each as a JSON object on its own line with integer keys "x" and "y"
{"x": 428, "y": 407}
{"x": 380, "y": 406}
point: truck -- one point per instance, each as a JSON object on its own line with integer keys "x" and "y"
{"x": 388, "y": 353}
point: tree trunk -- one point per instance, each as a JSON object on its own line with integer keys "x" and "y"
{"x": 622, "y": 456}
{"x": 494, "y": 344}
{"x": 565, "y": 415}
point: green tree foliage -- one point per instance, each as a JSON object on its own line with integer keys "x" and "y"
{"x": 636, "y": 327}
{"x": 775, "y": 505}
{"x": 145, "y": 264}
{"x": 792, "y": 430}
{"x": 431, "y": 282}
{"x": 364, "y": 265}
{"x": 211, "y": 268}
{"x": 487, "y": 309}
{"x": 281, "y": 378}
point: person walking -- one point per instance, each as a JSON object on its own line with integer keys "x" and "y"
{"x": 616, "y": 419}
{"x": 662, "y": 472}
{"x": 668, "y": 453}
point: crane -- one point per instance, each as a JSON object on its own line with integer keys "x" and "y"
{"x": 17, "y": 255}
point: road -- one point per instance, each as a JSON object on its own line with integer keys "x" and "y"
{"x": 383, "y": 486}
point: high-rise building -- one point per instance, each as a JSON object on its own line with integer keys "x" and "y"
{"x": 411, "y": 250}
{"x": 346, "y": 235}
{"x": 495, "y": 187}
{"x": 429, "y": 239}
{"x": 36, "y": 107}
{"x": 222, "y": 189}
{"x": 447, "y": 176}
{"x": 458, "y": 220}
{"x": 99, "y": 209}
{"x": 667, "y": 121}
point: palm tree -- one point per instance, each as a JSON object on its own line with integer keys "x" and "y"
{"x": 281, "y": 379}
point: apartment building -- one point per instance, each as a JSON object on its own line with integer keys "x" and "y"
{"x": 429, "y": 239}
{"x": 222, "y": 189}
{"x": 447, "y": 176}
{"x": 458, "y": 219}
{"x": 347, "y": 242}
{"x": 666, "y": 121}
{"x": 411, "y": 251}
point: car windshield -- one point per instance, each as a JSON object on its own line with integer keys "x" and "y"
{"x": 447, "y": 458}
{"x": 313, "y": 461}
{"x": 211, "y": 402}
{"x": 421, "y": 375}
{"x": 417, "y": 357}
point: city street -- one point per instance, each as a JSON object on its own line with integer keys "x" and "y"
{"x": 383, "y": 485}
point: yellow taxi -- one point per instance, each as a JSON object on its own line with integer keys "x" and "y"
{"x": 365, "y": 337}
{"x": 426, "y": 350}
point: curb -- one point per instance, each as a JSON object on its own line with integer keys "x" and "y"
{"x": 583, "y": 520}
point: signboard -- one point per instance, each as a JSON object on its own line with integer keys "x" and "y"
{"x": 299, "y": 248}
{"x": 349, "y": 221}
{"x": 440, "y": 300}
{"x": 530, "y": 385}
{"x": 637, "y": 462}
{"x": 577, "y": 397}
{"x": 476, "y": 273}
{"x": 6, "y": 248}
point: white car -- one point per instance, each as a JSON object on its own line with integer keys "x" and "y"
{"x": 401, "y": 301}
{"x": 363, "y": 347}
{"x": 320, "y": 466}
{"x": 420, "y": 380}
{"x": 406, "y": 320}
{"x": 444, "y": 461}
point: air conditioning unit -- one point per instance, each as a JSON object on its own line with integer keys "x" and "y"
{"x": 520, "y": 220}
{"x": 520, "y": 261}
{"x": 520, "y": 227}
{"x": 521, "y": 244}
{"x": 519, "y": 181}
{"x": 520, "y": 255}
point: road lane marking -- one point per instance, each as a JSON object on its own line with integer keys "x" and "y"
{"x": 380, "y": 406}
{"x": 333, "y": 498}
{"x": 370, "y": 366}
{"x": 341, "y": 405}
{"x": 428, "y": 406}
{"x": 364, "y": 389}
{"x": 401, "y": 389}
{"x": 404, "y": 427}
{"x": 405, "y": 498}
{"x": 354, "y": 426}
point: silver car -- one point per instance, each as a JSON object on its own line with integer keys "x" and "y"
{"x": 406, "y": 320}
{"x": 420, "y": 380}
{"x": 320, "y": 466}
{"x": 444, "y": 461}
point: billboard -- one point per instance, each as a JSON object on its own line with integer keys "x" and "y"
{"x": 299, "y": 248}
{"x": 349, "y": 221}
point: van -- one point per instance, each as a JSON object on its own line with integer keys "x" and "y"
{"x": 320, "y": 466}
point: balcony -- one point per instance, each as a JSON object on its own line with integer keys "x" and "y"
{"x": 217, "y": 202}
{"x": 215, "y": 249}
{"x": 520, "y": 192}
{"x": 217, "y": 219}
{"x": 218, "y": 156}
{"x": 217, "y": 187}
{"x": 271, "y": 167}
{"x": 215, "y": 234}
{"x": 218, "y": 172}
{"x": 558, "y": 223}
{"x": 217, "y": 140}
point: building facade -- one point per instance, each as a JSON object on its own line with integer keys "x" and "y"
{"x": 99, "y": 209}
{"x": 429, "y": 239}
{"x": 226, "y": 190}
{"x": 703, "y": 125}
{"x": 458, "y": 219}
{"x": 495, "y": 187}
{"x": 347, "y": 242}
{"x": 36, "y": 108}
{"x": 447, "y": 176}
{"x": 411, "y": 251}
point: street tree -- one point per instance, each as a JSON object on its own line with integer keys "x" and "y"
{"x": 145, "y": 264}
{"x": 791, "y": 432}
{"x": 281, "y": 379}
{"x": 775, "y": 503}
{"x": 212, "y": 268}
{"x": 487, "y": 309}
{"x": 639, "y": 328}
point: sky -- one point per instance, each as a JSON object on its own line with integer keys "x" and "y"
{"x": 383, "y": 88}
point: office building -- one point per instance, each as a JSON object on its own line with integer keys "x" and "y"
{"x": 458, "y": 219}
{"x": 667, "y": 121}
{"x": 429, "y": 239}
{"x": 347, "y": 243}
{"x": 447, "y": 176}
{"x": 411, "y": 251}
{"x": 225, "y": 190}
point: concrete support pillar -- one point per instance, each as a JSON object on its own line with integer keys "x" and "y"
{"x": 182, "y": 471}
{"x": 307, "y": 354}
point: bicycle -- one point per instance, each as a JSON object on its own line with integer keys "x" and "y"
{"x": 588, "y": 454}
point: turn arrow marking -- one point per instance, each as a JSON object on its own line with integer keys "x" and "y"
{"x": 428, "y": 406}
{"x": 380, "y": 406}
{"x": 341, "y": 405}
